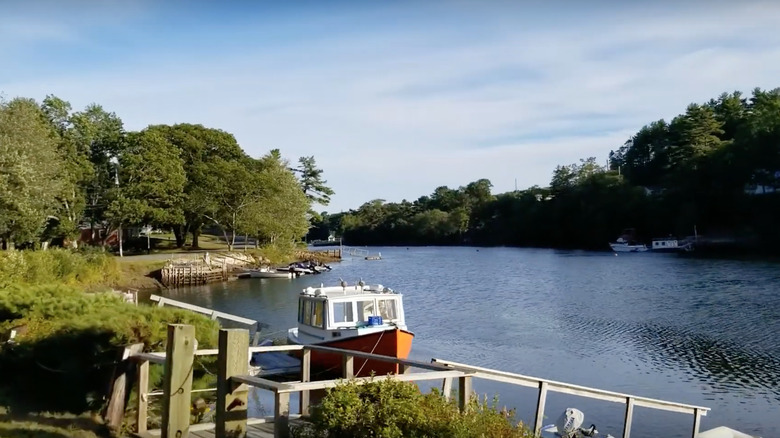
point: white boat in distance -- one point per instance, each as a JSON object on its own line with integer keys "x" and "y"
{"x": 621, "y": 245}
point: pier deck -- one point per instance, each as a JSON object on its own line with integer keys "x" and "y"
{"x": 256, "y": 428}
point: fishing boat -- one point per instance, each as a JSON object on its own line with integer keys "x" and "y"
{"x": 671, "y": 244}
{"x": 367, "y": 318}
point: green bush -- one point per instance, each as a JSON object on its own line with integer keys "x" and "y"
{"x": 69, "y": 341}
{"x": 393, "y": 409}
{"x": 61, "y": 266}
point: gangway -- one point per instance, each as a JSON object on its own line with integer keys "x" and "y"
{"x": 353, "y": 252}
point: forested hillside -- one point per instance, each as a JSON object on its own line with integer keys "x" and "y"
{"x": 715, "y": 167}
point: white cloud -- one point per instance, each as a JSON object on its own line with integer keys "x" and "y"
{"x": 393, "y": 115}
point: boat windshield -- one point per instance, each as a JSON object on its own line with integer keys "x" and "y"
{"x": 365, "y": 309}
{"x": 311, "y": 313}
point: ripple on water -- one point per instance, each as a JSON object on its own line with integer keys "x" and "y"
{"x": 697, "y": 331}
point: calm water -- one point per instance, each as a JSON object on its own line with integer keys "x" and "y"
{"x": 705, "y": 332}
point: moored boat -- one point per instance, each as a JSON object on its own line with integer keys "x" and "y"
{"x": 360, "y": 318}
{"x": 671, "y": 244}
{"x": 623, "y": 246}
{"x": 268, "y": 273}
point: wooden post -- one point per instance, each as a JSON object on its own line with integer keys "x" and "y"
{"x": 142, "y": 389}
{"x": 177, "y": 383}
{"x": 233, "y": 360}
{"x": 305, "y": 377}
{"x": 282, "y": 415}
{"x": 349, "y": 366}
{"x": 464, "y": 392}
{"x": 540, "y": 401}
{"x": 696, "y": 422}
{"x": 629, "y": 417}
{"x": 446, "y": 388}
{"x": 120, "y": 388}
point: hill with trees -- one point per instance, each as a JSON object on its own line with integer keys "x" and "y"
{"x": 715, "y": 167}
{"x": 63, "y": 172}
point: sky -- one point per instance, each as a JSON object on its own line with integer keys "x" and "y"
{"x": 396, "y": 98}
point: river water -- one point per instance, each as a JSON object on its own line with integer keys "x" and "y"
{"x": 704, "y": 332}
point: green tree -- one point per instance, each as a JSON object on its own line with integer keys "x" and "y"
{"x": 100, "y": 135}
{"x": 77, "y": 172}
{"x": 30, "y": 171}
{"x": 278, "y": 211}
{"x": 204, "y": 152}
{"x": 151, "y": 183}
{"x": 314, "y": 187}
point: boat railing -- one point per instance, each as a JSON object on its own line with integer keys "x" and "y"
{"x": 234, "y": 380}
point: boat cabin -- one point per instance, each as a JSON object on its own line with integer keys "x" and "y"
{"x": 665, "y": 243}
{"x": 350, "y": 307}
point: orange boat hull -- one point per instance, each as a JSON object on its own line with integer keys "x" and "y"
{"x": 394, "y": 343}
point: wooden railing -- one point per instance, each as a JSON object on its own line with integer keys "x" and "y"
{"x": 233, "y": 382}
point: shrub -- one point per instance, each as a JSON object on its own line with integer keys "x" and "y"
{"x": 393, "y": 409}
{"x": 66, "y": 352}
{"x": 62, "y": 266}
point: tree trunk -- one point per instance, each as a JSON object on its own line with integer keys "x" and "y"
{"x": 121, "y": 254}
{"x": 246, "y": 240}
{"x": 227, "y": 239}
{"x": 195, "y": 237}
{"x": 180, "y": 235}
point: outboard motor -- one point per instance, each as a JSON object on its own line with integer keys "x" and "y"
{"x": 569, "y": 425}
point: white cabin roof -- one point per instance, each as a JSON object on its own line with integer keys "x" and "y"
{"x": 353, "y": 291}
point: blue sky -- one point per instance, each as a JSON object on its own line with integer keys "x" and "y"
{"x": 395, "y": 98}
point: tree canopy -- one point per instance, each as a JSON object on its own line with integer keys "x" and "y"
{"x": 62, "y": 172}
{"x": 715, "y": 167}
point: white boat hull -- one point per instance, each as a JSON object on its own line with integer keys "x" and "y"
{"x": 269, "y": 274}
{"x": 624, "y": 247}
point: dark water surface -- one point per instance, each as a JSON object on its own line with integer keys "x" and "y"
{"x": 704, "y": 332}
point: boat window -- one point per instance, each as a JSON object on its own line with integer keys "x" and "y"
{"x": 317, "y": 315}
{"x": 342, "y": 312}
{"x": 300, "y": 310}
{"x": 365, "y": 309}
{"x": 387, "y": 309}
{"x": 307, "y": 312}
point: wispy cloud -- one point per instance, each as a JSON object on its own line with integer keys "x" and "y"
{"x": 446, "y": 96}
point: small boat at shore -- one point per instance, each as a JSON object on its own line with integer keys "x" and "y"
{"x": 268, "y": 273}
{"x": 361, "y": 318}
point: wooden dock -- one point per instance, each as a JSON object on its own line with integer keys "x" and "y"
{"x": 233, "y": 382}
{"x": 256, "y": 428}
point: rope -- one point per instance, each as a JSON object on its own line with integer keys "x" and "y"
{"x": 372, "y": 352}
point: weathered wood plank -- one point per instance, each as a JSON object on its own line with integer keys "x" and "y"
{"x": 464, "y": 392}
{"x": 120, "y": 387}
{"x": 231, "y": 415}
{"x": 305, "y": 377}
{"x": 206, "y": 311}
{"x": 541, "y": 400}
{"x": 628, "y": 418}
{"x": 142, "y": 391}
{"x": 281, "y": 415}
{"x": 348, "y": 362}
{"x": 177, "y": 383}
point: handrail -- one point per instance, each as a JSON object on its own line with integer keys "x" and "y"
{"x": 233, "y": 382}
{"x": 214, "y": 314}
{"x": 569, "y": 388}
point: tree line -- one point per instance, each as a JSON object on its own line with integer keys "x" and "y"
{"x": 64, "y": 171}
{"x": 714, "y": 168}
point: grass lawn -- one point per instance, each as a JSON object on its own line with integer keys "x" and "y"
{"x": 51, "y": 426}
